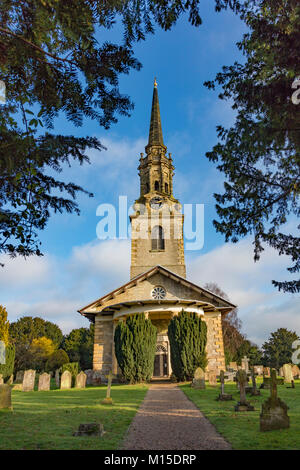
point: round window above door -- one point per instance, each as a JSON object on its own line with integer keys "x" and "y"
{"x": 158, "y": 293}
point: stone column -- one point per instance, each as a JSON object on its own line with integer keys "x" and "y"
{"x": 114, "y": 359}
{"x": 103, "y": 340}
{"x": 215, "y": 346}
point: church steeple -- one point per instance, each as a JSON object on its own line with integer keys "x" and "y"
{"x": 155, "y": 131}
{"x": 157, "y": 223}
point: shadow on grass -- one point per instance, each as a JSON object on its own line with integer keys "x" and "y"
{"x": 46, "y": 420}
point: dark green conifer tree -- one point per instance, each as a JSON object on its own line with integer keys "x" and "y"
{"x": 135, "y": 342}
{"x": 188, "y": 337}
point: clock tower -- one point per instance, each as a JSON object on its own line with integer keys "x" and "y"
{"x": 157, "y": 223}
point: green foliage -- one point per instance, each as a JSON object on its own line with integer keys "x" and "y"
{"x": 7, "y": 369}
{"x": 53, "y": 64}
{"x": 4, "y": 326}
{"x": 188, "y": 337}
{"x": 135, "y": 342}
{"x": 40, "y": 350}
{"x": 278, "y": 349}
{"x": 79, "y": 344}
{"x": 260, "y": 154}
{"x": 56, "y": 360}
{"x": 250, "y": 350}
{"x": 72, "y": 367}
{"x": 24, "y": 331}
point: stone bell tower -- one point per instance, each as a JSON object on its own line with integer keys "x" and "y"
{"x": 157, "y": 224}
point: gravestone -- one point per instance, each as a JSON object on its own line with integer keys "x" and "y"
{"x": 20, "y": 376}
{"x": 108, "y": 400}
{"x": 274, "y": 411}
{"x": 258, "y": 370}
{"x": 1, "y": 379}
{"x": 243, "y": 404}
{"x": 96, "y": 380}
{"x": 266, "y": 371}
{"x": 89, "y": 376}
{"x": 199, "y": 379}
{"x": 57, "y": 378}
{"x": 80, "y": 381}
{"x": 281, "y": 372}
{"x": 245, "y": 364}
{"x": 223, "y": 396}
{"x": 44, "y": 382}
{"x": 66, "y": 380}
{"x": 254, "y": 391}
{"x": 5, "y": 397}
{"x": 295, "y": 371}
{"x": 90, "y": 429}
{"x": 233, "y": 365}
{"x": 28, "y": 380}
{"x": 212, "y": 378}
{"x": 287, "y": 373}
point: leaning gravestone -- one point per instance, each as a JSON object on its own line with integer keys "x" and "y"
{"x": 57, "y": 378}
{"x": 44, "y": 382}
{"x": 28, "y": 380}
{"x": 223, "y": 396}
{"x": 20, "y": 376}
{"x": 80, "y": 380}
{"x": 287, "y": 373}
{"x": 274, "y": 411}
{"x": 5, "y": 397}
{"x": 89, "y": 376}
{"x": 199, "y": 379}
{"x": 243, "y": 404}
{"x": 66, "y": 380}
{"x": 254, "y": 391}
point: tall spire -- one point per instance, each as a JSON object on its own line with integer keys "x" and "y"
{"x": 155, "y": 132}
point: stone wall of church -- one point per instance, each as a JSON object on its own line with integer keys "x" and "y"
{"x": 103, "y": 346}
{"x": 215, "y": 345}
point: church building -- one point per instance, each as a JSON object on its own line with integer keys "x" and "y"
{"x": 158, "y": 286}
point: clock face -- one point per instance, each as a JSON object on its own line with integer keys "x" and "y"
{"x": 156, "y": 203}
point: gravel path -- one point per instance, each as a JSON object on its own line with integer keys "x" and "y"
{"x": 168, "y": 420}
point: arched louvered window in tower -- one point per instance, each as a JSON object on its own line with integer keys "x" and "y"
{"x": 157, "y": 238}
{"x": 156, "y": 185}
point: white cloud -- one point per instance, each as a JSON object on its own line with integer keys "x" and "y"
{"x": 20, "y": 271}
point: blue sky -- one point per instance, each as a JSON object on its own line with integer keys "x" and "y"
{"x": 77, "y": 268}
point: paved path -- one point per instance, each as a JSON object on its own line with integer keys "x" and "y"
{"x": 168, "y": 420}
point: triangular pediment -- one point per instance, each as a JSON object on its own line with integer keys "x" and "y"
{"x": 139, "y": 289}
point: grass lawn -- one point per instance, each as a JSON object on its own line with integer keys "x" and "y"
{"x": 46, "y": 420}
{"x": 242, "y": 429}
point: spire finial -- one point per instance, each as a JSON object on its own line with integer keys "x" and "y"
{"x": 155, "y": 132}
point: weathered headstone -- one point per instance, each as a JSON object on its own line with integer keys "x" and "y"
{"x": 80, "y": 381}
{"x": 254, "y": 391}
{"x": 90, "y": 429}
{"x": 66, "y": 380}
{"x": 223, "y": 396}
{"x": 28, "y": 380}
{"x": 44, "y": 382}
{"x": 295, "y": 371}
{"x": 89, "y": 375}
{"x": 96, "y": 380}
{"x": 19, "y": 376}
{"x": 287, "y": 373}
{"x": 258, "y": 370}
{"x": 1, "y": 379}
{"x": 245, "y": 364}
{"x": 57, "y": 378}
{"x": 199, "y": 379}
{"x": 243, "y": 404}
{"x": 212, "y": 378}
{"x": 274, "y": 411}
{"x": 108, "y": 400}
{"x": 5, "y": 397}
